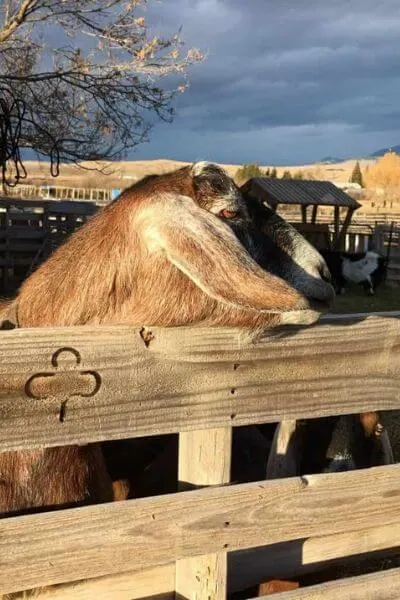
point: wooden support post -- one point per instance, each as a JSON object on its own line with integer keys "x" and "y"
{"x": 314, "y": 214}
{"x": 341, "y": 239}
{"x": 336, "y": 227}
{"x": 284, "y": 456}
{"x": 304, "y": 213}
{"x": 204, "y": 459}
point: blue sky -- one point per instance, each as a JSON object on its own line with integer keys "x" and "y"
{"x": 283, "y": 82}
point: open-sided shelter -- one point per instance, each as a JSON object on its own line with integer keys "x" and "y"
{"x": 308, "y": 193}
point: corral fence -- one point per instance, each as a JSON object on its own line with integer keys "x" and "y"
{"x": 381, "y": 238}
{"x": 200, "y": 383}
{"x": 30, "y": 231}
{"x": 100, "y": 196}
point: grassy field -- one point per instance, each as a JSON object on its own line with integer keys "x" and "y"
{"x": 355, "y": 300}
{"x": 123, "y": 173}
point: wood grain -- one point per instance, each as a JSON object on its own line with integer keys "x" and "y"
{"x": 289, "y": 560}
{"x": 384, "y": 585}
{"x": 246, "y": 567}
{"x": 195, "y": 378}
{"x": 86, "y": 542}
{"x": 284, "y": 457}
{"x": 204, "y": 459}
{"x": 125, "y": 586}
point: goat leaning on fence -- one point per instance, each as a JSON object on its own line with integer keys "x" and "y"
{"x": 167, "y": 253}
{"x": 177, "y": 249}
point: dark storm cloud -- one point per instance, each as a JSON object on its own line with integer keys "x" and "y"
{"x": 284, "y": 81}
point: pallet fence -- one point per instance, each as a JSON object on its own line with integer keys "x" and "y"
{"x": 200, "y": 382}
{"x": 30, "y": 231}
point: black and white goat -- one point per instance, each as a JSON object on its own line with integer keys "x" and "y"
{"x": 366, "y": 268}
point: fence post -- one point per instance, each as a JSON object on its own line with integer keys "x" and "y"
{"x": 284, "y": 456}
{"x": 204, "y": 459}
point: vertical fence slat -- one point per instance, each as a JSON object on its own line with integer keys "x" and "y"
{"x": 204, "y": 459}
{"x": 283, "y": 460}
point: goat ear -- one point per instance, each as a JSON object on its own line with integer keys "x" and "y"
{"x": 207, "y": 251}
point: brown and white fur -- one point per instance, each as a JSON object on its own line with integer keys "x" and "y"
{"x": 174, "y": 249}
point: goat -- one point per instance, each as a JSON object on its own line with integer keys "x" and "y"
{"x": 366, "y": 268}
{"x": 166, "y": 252}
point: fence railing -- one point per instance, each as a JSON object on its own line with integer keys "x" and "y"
{"x": 358, "y": 238}
{"x": 200, "y": 383}
{"x": 100, "y": 196}
{"x": 30, "y": 231}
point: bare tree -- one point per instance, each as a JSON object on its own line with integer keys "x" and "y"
{"x": 82, "y": 80}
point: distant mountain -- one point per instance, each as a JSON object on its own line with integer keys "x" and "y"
{"x": 383, "y": 151}
{"x": 328, "y": 160}
{"x": 331, "y": 160}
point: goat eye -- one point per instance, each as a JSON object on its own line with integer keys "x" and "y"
{"x": 228, "y": 214}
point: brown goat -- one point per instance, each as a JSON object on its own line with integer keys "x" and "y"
{"x": 174, "y": 249}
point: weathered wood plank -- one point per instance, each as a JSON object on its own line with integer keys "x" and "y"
{"x": 204, "y": 459}
{"x": 22, "y": 233}
{"x": 18, "y": 246}
{"x": 125, "y": 586}
{"x": 246, "y": 567}
{"x": 284, "y": 456}
{"x": 101, "y": 540}
{"x": 292, "y": 559}
{"x": 384, "y": 585}
{"x": 24, "y": 216}
{"x": 190, "y": 378}
{"x": 16, "y": 262}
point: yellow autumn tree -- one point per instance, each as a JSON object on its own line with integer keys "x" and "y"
{"x": 385, "y": 173}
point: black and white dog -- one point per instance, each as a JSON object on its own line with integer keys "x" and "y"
{"x": 366, "y": 268}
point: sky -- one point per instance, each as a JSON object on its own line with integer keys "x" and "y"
{"x": 283, "y": 81}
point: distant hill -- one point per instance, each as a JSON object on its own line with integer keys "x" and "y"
{"x": 329, "y": 160}
{"x": 383, "y": 151}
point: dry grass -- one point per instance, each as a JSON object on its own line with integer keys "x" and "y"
{"x": 123, "y": 173}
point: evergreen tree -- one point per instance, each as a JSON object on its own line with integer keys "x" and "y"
{"x": 273, "y": 173}
{"x": 356, "y": 176}
{"x": 286, "y": 175}
{"x": 248, "y": 171}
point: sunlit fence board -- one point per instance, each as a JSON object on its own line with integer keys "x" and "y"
{"x": 104, "y": 539}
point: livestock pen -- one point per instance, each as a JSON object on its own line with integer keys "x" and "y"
{"x": 29, "y": 232}
{"x": 123, "y": 382}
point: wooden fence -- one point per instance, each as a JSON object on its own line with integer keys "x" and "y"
{"x": 100, "y": 196}
{"x": 30, "y": 231}
{"x": 200, "y": 383}
{"x": 359, "y": 238}
{"x": 381, "y": 238}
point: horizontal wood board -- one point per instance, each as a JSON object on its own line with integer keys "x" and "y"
{"x": 190, "y": 378}
{"x": 86, "y": 542}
